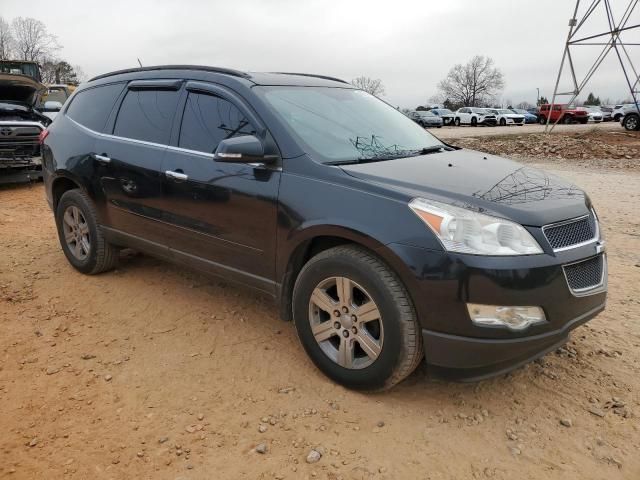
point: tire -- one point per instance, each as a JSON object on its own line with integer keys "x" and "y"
{"x": 542, "y": 120}
{"x": 566, "y": 120}
{"x": 631, "y": 122}
{"x": 395, "y": 331}
{"x": 617, "y": 117}
{"x": 456, "y": 122}
{"x": 474, "y": 122}
{"x": 91, "y": 254}
{"x": 503, "y": 122}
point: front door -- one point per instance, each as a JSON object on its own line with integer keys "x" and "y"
{"x": 222, "y": 215}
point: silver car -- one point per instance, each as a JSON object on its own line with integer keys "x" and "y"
{"x": 426, "y": 119}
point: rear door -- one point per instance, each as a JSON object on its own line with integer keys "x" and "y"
{"x": 131, "y": 156}
{"x": 222, "y": 216}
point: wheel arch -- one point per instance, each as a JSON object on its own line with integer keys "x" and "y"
{"x": 60, "y": 185}
{"x": 314, "y": 240}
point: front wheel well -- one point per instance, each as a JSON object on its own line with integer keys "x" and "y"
{"x": 301, "y": 255}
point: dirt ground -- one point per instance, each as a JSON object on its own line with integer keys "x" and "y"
{"x": 152, "y": 371}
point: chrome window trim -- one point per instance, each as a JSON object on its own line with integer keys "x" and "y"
{"x": 594, "y": 239}
{"x": 594, "y": 289}
{"x": 140, "y": 142}
{"x": 160, "y": 145}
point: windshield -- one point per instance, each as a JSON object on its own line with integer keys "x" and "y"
{"x": 443, "y": 111}
{"x": 55, "y": 94}
{"x": 504, "y": 110}
{"x": 426, "y": 114}
{"x": 343, "y": 124}
{"x": 519, "y": 110}
{"x": 20, "y": 68}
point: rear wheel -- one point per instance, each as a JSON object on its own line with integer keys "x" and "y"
{"x": 355, "y": 319}
{"x": 81, "y": 238}
{"x": 456, "y": 122}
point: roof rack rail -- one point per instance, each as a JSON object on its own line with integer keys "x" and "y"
{"x": 226, "y": 71}
{"x": 324, "y": 77}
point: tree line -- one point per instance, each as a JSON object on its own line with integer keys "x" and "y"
{"x": 477, "y": 83}
{"x": 28, "y": 39}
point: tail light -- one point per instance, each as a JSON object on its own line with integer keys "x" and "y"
{"x": 43, "y": 134}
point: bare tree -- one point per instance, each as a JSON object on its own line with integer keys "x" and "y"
{"x": 474, "y": 84}
{"x": 6, "y": 40}
{"x": 525, "y": 105}
{"x": 370, "y": 85}
{"x": 32, "y": 40}
{"x": 60, "y": 71}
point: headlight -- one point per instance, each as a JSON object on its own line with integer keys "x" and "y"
{"x": 466, "y": 231}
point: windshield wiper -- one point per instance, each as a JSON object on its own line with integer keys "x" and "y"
{"x": 399, "y": 154}
{"x": 428, "y": 150}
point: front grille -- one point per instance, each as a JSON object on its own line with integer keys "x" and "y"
{"x": 585, "y": 275}
{"x": 571, "y": 233}
{"x": 19, "y": 142}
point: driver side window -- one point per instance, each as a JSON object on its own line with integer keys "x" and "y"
{"x": 208, "y": 119}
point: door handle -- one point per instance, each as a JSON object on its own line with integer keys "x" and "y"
{"x": 101, "y": 158}
{"x": 177, "y": 176}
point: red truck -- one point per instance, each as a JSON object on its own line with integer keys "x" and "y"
{"x": 565, "y": 113}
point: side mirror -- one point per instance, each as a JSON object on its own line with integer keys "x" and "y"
{"x": 52, "y": 106}
{"x": 244, "y": 149}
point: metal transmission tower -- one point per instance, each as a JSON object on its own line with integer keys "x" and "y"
{"x": 609, "y": 40}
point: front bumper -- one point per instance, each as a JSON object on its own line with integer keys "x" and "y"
{"x": 442, "y": 283}
{"x": 488, "y": 121}
{"x": 474, "y": 359}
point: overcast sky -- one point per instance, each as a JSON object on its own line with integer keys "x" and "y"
{"x": 409, "y": 45}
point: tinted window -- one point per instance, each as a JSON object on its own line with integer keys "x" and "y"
{"x": 147, "y": 115}
{"x": 92, "y": 107}
{"x": 209, "y": 119}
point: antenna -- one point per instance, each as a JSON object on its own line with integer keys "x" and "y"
{"x": 140, "y": 63}
{"x": 609, "y": 39}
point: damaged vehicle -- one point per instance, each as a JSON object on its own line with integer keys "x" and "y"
{"x": 21, "y": 122}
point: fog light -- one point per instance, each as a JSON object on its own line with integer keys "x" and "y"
{"x": 513, "y": 318}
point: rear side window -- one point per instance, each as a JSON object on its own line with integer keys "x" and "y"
{"x": 208, "y": 119}
{"x": 147, "y": 115}
{"x": 92, "y": 107}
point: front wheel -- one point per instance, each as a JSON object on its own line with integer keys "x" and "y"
{"x": 474, "y": 122}
{"x": 503, "y": 122}
{"x": 355, "y": 319}
{"x": 456, "y": 122}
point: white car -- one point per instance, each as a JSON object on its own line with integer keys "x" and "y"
{"x": 620, "y": 110}
{"x": 474, "y": 116}
{"x": 595, "y": 115}
{"x": 507, "y": 117}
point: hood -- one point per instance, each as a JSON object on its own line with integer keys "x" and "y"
{"x": 481, "y": 182}
{"x": 20, "y": 89}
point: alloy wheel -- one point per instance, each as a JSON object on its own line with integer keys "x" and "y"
{"x": 631, "y": 123}
{"x": 76, "y": 232}
{"x": 346, "y": 322}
